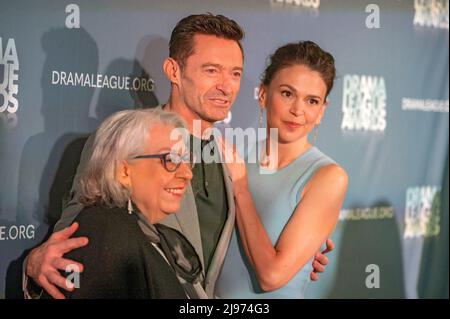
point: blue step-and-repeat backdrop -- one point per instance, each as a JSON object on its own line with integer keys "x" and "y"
{"x": 66, "y": 65}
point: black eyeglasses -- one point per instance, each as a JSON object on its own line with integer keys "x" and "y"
{"x": 172, "y": 161}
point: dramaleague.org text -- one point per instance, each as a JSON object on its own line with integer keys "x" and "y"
{"x": 103, "y": 81}
{"x": 16, "y": 232}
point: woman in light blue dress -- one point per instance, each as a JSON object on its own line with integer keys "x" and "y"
{"x": 286, "y": 205}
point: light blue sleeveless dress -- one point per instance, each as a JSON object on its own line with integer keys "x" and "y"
{"x": 276, "y": 195}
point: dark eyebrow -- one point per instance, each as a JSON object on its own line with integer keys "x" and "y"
{"x": 219, "y": 66}
{"x": 290, "y": 87}
{"x": 212, "y": 64}
{"x": 315, "y": 97}
{"x": 293, "y": 89}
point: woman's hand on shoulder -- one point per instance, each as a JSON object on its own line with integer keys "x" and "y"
{"x": 234, "y": 163}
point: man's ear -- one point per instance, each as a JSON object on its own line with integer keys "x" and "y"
{"x": 322, "y": 112}
{"x": 262, "y": 96}
{"x": 123, "y": 174}
{"x": 172, "y": 70}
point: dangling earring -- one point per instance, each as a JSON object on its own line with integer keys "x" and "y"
{"x": 316, "y": 132}
{"x": 261, "y": 117}
{"x": 130, "y": 206}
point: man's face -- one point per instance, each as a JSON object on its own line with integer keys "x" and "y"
{"x": 211, "y": 77}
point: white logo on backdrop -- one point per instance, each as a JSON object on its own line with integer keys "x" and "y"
{"x": 314, "y": 4}
{"x": 422, "y": 211}
{"x": 431, "y": 13}
{"x": 367, "y": 213}
{"x": 310, "y": 7}
{"x": 9, "y": 86}
{"x": 17, "y": 232}
{"x": 115, "y": 82}
{"x": 427, "y": 105}
{"x": 364, "y": 103}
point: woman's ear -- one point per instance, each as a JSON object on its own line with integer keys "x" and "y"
{"x": 262, "y": 96}
{"x": 172, "y": 70}
{"x": 123, "y": 174}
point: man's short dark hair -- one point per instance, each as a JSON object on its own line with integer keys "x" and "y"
{"x": 181, "y": 44}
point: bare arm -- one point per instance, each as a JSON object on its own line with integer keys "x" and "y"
{"x": 312, "y": 222}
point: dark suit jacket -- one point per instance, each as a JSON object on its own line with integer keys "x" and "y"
{"x": 120, "y": 261}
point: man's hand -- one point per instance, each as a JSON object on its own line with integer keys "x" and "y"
{"x": 320, "y": 261}
{"x": 45, "y": 260}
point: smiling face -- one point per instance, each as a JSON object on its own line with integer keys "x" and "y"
{"x": 295, "y": 102}
{"x": 211, "y": 78}
{"x": 156, "y": 192}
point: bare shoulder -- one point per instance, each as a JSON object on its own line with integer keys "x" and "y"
{"x": 329, "y": 176}
{"x": 332, "y": 172}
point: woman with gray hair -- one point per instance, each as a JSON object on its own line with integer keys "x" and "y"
{"x": 134, "y": 178}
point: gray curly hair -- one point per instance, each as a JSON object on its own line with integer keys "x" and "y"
{"x": 121, "y": 136}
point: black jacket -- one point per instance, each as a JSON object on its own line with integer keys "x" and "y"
{"x": 119, "y": 261}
